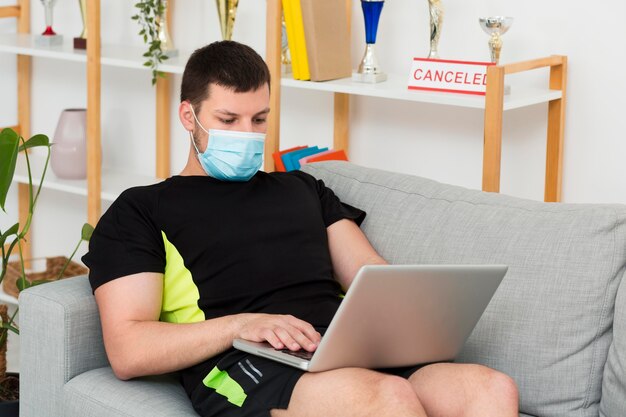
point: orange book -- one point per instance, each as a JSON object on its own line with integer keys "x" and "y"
{"x": 339, "y": 155}
{"x": 278, "y": 161}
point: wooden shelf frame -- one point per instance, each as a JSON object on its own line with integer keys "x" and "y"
{"x": 93, "y": 59}
{"x": 21, "y": 11}
{"x": 494, "y": 105}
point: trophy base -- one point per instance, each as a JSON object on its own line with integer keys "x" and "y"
{"x": 171, "y": 53}
{"x": 369, "y": 78}
{"x": 285, "y": 68}
{"x": 49, "y": 40}
{"x": 80, "y": 43}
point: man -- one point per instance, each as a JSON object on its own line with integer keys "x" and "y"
{"x": 222, "y": 251}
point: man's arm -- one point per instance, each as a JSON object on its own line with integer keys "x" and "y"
{"x": 138, "y": 344}
{"x": 349, "y": 251}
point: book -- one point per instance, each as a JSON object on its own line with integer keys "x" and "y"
{"x": 291, "y": 38}
{"x": 301, "y": 47}
{"x": 278, "y": 161}
{"x": 292, "y": 159}
{"x": 327, "y": 39}
{"x": 330, "y": 155}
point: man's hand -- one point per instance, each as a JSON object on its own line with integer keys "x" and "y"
{"x": 280, "y": 331}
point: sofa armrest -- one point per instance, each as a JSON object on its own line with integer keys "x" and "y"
{"x": 60, "y": 338}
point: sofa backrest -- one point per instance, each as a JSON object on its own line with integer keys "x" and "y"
{"x": 549, "y": 325}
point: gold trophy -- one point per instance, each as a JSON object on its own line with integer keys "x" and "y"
{"x": 80, "y": 42}
{"x": 495, "y": 27}
{"x": 436, "y": 20}
{"x": 167, "y": 46}
{"x": 285, "y": 56}
{"x": 227, "y": 11}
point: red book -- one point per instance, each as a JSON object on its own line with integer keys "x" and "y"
{"x": 339, "y": 155}
{"x": 278, "y": 162}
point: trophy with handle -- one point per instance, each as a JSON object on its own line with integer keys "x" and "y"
{"x": 49, "y": 37}
{"x": 369, "y": 70}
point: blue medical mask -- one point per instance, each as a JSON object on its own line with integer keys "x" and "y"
{"x": 230, "y": 155}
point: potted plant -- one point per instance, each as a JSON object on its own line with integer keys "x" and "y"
{"x": 11, "y": 144}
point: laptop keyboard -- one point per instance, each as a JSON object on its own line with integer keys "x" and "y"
{"x": 302, "y": 354}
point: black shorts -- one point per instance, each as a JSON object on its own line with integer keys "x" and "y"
{"x": 244, "y": 385}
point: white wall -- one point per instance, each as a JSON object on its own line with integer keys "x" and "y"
{"x": 439, "y": 142}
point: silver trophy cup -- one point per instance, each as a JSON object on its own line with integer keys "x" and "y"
{"x": 495, "y": 27}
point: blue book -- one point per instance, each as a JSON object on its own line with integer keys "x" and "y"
{"x": 292, "y": 159}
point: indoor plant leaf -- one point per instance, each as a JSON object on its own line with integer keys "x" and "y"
{"x": 37, "y": 140}
{"x": 12, "y": 231}
{"x": 86, "y": 232}
{"x": 9, "y": 143}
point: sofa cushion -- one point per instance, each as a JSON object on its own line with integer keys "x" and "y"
{"x": 549, "y": 325}
{"x": 98, "y": 393}
{"x": 614, "y": 383}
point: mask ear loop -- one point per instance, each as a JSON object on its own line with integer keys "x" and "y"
{"x": 193, "y": 141}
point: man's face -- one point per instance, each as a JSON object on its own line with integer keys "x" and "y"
{"x": 228, "y": 110}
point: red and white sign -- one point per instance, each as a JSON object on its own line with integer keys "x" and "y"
{"x": 449, "y": 76}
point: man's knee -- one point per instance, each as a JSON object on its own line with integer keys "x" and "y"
{"x": 394, "y": 389}
{"x": 501, "y": 386}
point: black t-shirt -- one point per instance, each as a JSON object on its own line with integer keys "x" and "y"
{"x": 226, "y": 247}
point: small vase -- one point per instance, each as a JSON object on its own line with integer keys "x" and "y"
{"x": 69, "y": 147}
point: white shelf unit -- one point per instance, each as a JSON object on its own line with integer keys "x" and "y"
{"x": 395, "y": 88}
{"x": 122, "y": 56}
{"x": 114, "y": 182}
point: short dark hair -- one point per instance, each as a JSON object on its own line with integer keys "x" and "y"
{"x": 226, "y": 63}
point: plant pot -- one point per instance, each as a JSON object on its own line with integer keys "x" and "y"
{"x": 10, "y": 408}
{"x": 40, "y": 269}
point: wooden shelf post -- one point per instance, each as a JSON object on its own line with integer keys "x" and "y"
{"x": 273, "y": 49}
{"x": 492, "y": 147}
{"x": 556, "y": 128}
{"x": 94, "y": 152}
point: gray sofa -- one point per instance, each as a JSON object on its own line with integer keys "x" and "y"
{"x": 557, "y": 324}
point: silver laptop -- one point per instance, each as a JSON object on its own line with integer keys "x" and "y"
{"x": 398, "y": 315}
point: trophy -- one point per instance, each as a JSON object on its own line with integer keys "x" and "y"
{"x": 167, "y": 46}
{"x": 80, "y": 42}
{"x": 49, "y": 36}
{"x": 285, "y": 57}
{"x": 436, "y": 20}
{"x": 369, "y": 71}
{"x": 495, "y": 26}
{"x": 227, "y": 11}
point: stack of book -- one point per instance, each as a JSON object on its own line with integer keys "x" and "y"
{"x": 318, "y": 38}
{"x": 293, "y": 158}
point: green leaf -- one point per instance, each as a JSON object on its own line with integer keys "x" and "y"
{"x": 9, "y": 143}
{"x": 12, "y": 231}
{"x": 39, "y": 282}
{"x": 147, "y": 64}
{"x": 86, "y": 232}
{"x": 9, "y": 327}
{"x": 37, "y": 140}
{"x": 22, "y": 284}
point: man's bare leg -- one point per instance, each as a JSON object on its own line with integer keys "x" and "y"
{"x": 454, "y": 390}
{"x": 352, "y": 392}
